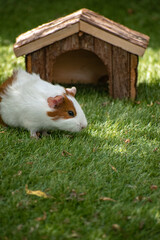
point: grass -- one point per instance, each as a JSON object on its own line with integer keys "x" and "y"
{"x": 117, "y": 156}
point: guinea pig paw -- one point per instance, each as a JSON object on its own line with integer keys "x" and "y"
{"x": 45, "y": 134}
{"x": 34, "y": 135}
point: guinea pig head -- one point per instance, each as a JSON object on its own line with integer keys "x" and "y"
{"x": 66, "y": 113}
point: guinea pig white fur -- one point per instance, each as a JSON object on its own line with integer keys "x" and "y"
{"x": 28, "y": 101}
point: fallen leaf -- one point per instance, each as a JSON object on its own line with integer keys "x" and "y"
{"x": 138, "y": 199}
{"x": 150, "y": 105}
{"x": 75, "y": 234}
{"x": 65, "y": 153}
{"x": 29, "y": 163}
{"x": 42, "y": 218}
{"x": 157, "y": 102}
{"x": 153, "y": 187}
{"x": 141, "y": 198}
{"x": 19, "y": 227}
{"x": 114, "y": 169}
{"x": 107, "y": 199}
{"x": 36, "y": 193}
{"x": 155, "y": 149}
{"x": 82, "y": 194}
{"x": 116, "y": 227}
{"x": 2, "y": 132}
{"x": 19, "y": 173}
{"x": 127, "y": 140}
{"x": 94, "y": 150}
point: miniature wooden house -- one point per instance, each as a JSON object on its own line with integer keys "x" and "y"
{"x": 85, "y": 48}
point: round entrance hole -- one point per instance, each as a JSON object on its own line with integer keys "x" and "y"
{"x": 79, "y": 67}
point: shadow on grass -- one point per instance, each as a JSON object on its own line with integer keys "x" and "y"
{"x": 88, "y": 162}
{"x": 145, "y": 92}
{"x": 149, "y": 92}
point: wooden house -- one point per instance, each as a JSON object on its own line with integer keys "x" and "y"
{"x": 84, "y": 47}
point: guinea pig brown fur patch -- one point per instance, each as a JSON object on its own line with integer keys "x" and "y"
{"x": 8, "y": 82}
{"x": 63, "y": 109}
{"x": 3, "y": 87}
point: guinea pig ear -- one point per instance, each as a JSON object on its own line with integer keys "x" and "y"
{"x": 55, "y": 101}
{"x": 72, "y": 91}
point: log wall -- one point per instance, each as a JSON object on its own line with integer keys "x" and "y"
{"x": 121, "y": 66}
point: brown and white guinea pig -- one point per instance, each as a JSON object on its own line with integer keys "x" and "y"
{"x": 28, "y": 101}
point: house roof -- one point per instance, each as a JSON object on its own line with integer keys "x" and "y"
{"x": 85, "y": 21}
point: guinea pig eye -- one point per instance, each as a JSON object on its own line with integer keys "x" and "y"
{"x": 71, "y": 113}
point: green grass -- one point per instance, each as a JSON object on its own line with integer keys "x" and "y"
{"x": 117, "y": 156}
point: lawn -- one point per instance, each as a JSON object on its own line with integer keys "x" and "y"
{"x": 101, "y": 183}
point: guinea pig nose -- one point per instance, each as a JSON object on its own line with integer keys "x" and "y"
{"x": 82, "y": 127}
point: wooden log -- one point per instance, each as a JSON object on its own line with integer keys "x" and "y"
{"x": 133, "y": 76}
{"x": 38, "y": 62}
{"x": 28, "y": 62}
{"x": 46, "y": 34}
{"x": 114, "y": 28}
{"x": 104, "y": 51}
{"x": 70, "y": 43}
{"x": 121, "y": 73}
{"x": 75, "y": 41}
{"x": 52, "y": 52}
{"x": 87, "y": 42}
{"x": 86, "y": 21}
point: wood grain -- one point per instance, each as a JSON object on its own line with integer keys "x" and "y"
{"x": 86, "y": 21}
{"x": 70, "y": 43}
{"x": 28, "y": 62}
{"x": 104, "y": 51}
{"x": 121, "y": 73}
{"x": 52, "y": 51}
{"x": 114, "y": 28}
{"x": 39, "y": 62}
{"x": 87, "y": 42}
{"x": 133, "y": 76}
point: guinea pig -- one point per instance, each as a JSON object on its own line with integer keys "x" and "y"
{"x": 29, "y": 102}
